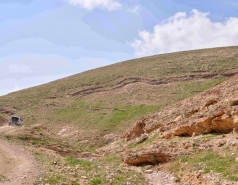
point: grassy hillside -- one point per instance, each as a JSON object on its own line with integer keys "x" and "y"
{"x": 83, "y": 112}
{"x": 110, "y": 99}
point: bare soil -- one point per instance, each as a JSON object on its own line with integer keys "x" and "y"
{"x": 17, "y": 166}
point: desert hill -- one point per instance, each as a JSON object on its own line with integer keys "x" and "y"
{"x": 79, "y": 120}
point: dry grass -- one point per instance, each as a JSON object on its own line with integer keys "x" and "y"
{"x": 108, "y": 100}
{"x": 114, "y": 97}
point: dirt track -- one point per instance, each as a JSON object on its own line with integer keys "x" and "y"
{"x": 16, "y": 165}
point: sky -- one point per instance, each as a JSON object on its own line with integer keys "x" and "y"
{"x": 45, "y": 40}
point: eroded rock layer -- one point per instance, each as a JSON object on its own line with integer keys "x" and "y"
{"x": 214, "y": 111}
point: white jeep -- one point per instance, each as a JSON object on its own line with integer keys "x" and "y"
{"x": 15, "y": 120}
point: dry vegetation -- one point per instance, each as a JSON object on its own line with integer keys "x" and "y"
{"x": 84, "y": 112}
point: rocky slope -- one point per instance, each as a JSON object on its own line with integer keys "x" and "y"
{"x": 213, "y": 111}
{"x": 207, "y": 122}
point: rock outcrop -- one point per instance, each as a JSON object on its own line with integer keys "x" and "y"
{"x": 218, "y": 122}
{"x": 146, "y": 125}
{"x": 148, "y": 157}
{"x": 213, "y": 111}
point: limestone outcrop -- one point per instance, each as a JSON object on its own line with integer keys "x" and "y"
{"x": 213, "y": 111}
{"x": 152, "y": 157}
{"x": 219, "y": 122}
{"x": 146, "y": 125}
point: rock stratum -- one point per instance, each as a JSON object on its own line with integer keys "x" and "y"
{"x": 213, "y": 111}
{"x": 182, "y": 129}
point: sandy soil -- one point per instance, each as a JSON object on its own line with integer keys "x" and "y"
{"x": 17, "y": 166}
{"x": 6, "y": 128}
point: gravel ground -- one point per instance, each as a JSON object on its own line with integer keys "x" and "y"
{"x": 159, "y": 178}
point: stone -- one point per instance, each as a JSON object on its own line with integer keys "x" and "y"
{"x": 141, "y": 139}
{"x": 149, "y": 171}
{"x": 211, "y": 102}
{"x": 178, "y": 118}
{"x": 176, "y": 180}
{"x": 236, "y": 159}
{"x": 148, "y": 167}
{"x": 221, "y": 143}
{"x": 110, "y": 138}
{"x": 234, "y": 102}
{"x": 148, "y": 157}
{"x": 136, "y": 131}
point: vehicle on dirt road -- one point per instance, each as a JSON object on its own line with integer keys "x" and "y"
{"x": 15, "y": 120}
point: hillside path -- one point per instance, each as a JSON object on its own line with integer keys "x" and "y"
{"x": 160, "y": 178}
{"x": 17, "y": 166}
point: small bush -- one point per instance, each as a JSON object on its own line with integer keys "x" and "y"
{"x": 96, "y": 181}
{"x": 2, "y": 178}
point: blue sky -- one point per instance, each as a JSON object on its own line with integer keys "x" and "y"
{"x": 43, "y": 40}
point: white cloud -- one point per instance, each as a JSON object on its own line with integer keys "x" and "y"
{"x": 135, "y": 9}
{"x": 186, "y": 32}
{"x": 92, "y": 4}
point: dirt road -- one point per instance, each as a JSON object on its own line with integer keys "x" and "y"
{"x": 17, "y": 166}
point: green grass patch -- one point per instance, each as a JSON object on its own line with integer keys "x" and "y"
{"x": 145, "y": 143}
{"x": 82, "y": 163}
{"x": 122, "y": 177}
{"x": 55, "y": 179}
{"x": 33, "y": 140}
{"x": 209, "y": 161}
{"x": 209, "y": 136}
{"x": 191, "y": 89}
{"x": 112, "y": 159}
{"x": 96, "y": 180}
{"x": 90, "y": 116}
{"x": 125, "y": 113}
{"x": 2, "y": 178}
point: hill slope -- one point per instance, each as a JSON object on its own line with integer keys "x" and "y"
{"x": 89, "y": 110}
{"x": 200, "y": 132}
{"x": 110, "y": 99}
